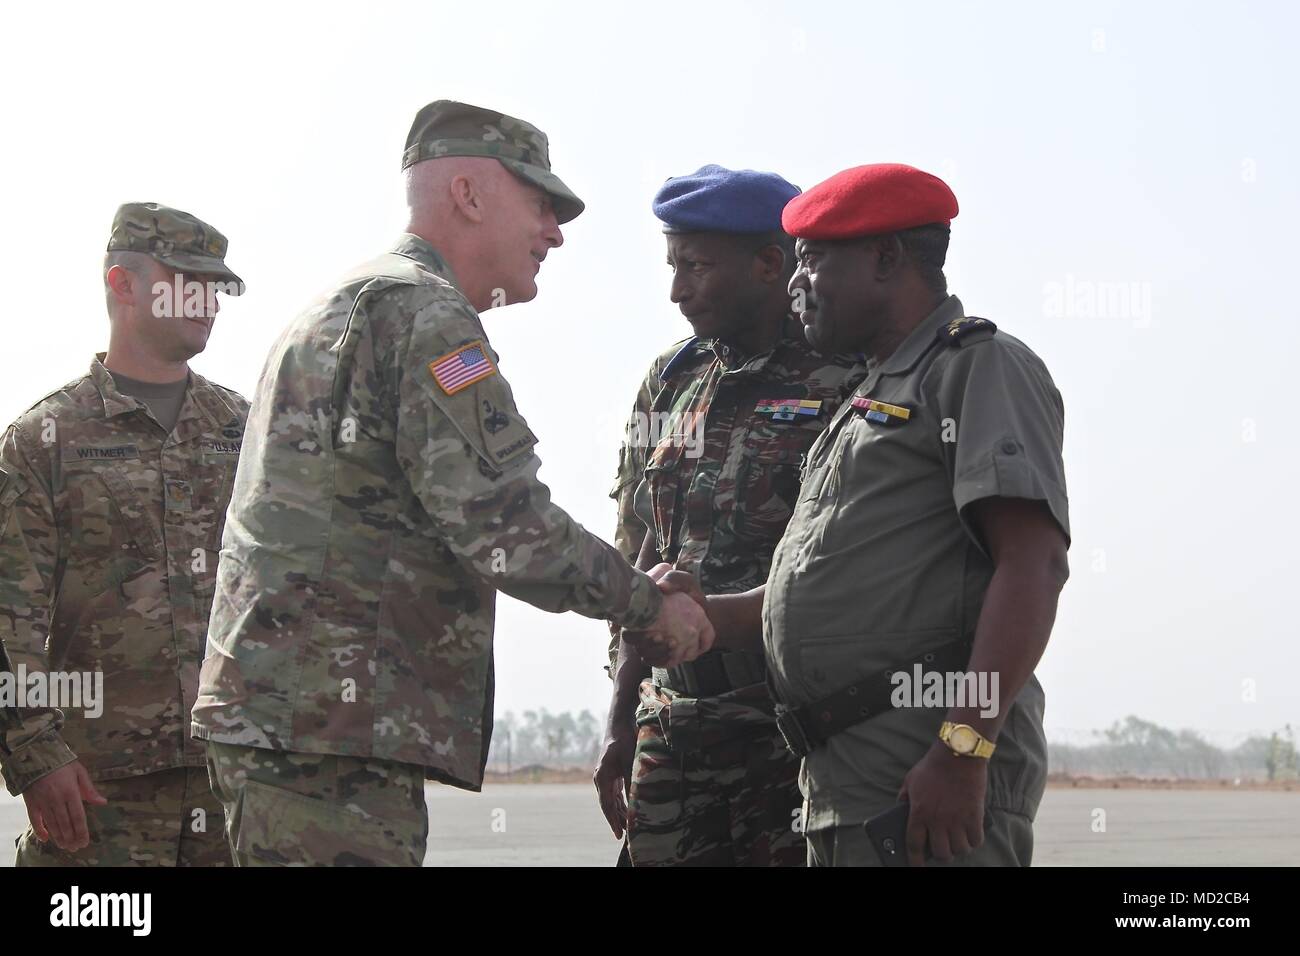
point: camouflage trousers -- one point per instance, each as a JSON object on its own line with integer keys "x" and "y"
{"x": 713, "y": 783}
{"x": 296, "y": 809}
{"x": 164, "y": 818}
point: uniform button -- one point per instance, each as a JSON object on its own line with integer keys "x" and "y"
{"x": 1009, "y": 447}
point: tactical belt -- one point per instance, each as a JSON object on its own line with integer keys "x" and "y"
{"x": 808, "y": 727}
{"x": 713, "y": 674}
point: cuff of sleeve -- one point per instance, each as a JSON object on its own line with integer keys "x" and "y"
{"x": 1011, "y": 475}
{"x": 34, "y": 760}
{"x": 643, "y": 606}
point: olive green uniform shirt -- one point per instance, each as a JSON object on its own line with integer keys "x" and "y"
{"x": 880, "y": 564}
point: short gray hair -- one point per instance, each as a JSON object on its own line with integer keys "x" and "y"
{"x": 136, "y": 263}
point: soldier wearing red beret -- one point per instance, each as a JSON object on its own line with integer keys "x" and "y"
{"x": 916, "y": 585}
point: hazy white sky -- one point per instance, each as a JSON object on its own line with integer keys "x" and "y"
{"x": 1128, "y": 189}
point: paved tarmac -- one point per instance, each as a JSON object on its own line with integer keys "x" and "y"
{"x": 559, "y": 824}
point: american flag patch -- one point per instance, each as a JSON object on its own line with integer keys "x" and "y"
{"x": 462, "y": 368}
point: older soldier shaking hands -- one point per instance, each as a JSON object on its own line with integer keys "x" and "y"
{"x": 387, "y": 490}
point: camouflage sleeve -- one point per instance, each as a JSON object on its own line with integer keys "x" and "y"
{"x": 28, "y": 554}
{"x": 630, "y": 530}
{"x": 468, "y": 454}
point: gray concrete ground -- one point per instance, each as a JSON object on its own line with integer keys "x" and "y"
{"x": 559, "y": 824}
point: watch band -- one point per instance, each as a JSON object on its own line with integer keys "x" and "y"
{"x": 983, "y": 746}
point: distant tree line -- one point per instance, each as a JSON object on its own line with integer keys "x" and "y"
{"x": 538, "y": 737}
{"x": 1139, "y": 748}
{"x": 1129, "y": 747}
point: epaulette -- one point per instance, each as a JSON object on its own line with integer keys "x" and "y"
{"x": 69, "y": 387}
{"x": 958, "y": 332}
{"x": 685, "y": 353}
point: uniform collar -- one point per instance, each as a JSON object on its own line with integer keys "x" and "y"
{"x": 419, "y": 250}
{"x": 921, "y": 338}
{"x": 736, "y": 364}
{"x": 204, "y": 408}
{"x": 115, "y": 403}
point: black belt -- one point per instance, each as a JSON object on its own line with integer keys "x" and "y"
{"x": 713, "y": 674}
{"x": 808, "y": 727}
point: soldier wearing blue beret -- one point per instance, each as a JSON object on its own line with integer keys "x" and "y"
{"x": 917, "y": 582}
{"x": 707, "y": 480}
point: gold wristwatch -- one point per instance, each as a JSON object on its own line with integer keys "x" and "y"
{"x": 965, "y": 741}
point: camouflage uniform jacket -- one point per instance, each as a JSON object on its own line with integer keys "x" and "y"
{"x": 381, "y": 501}
{"x": 712, "y": 465}
{"x": 109, "y": 533}
{"x": 9, "y": 715}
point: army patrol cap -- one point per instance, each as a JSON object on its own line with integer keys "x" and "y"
{"x": 448, "y": 128}
{"x": 174, "y": 238}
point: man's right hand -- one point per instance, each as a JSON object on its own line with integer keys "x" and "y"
{"x": 671, "y": 581}
{"x": 54, "y": 806}
{"x": 613, "y": 779}
{"x": 681, "y": 633}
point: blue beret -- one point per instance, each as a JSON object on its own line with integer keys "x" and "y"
{"x": 717, "y": 199}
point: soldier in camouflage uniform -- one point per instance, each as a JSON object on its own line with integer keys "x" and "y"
{"x": 112, "y": 494}
{"x": 387, "y": 490}
{"x": 710, "y": 465}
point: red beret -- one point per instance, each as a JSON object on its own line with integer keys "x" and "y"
{"x": 867, "y": 201}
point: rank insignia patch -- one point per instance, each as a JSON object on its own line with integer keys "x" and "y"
{"x": 881, "y": 412}
{"x": 462, "y": 368}
{"x": 958, "y": 329}
{"x": 788, "y": 409}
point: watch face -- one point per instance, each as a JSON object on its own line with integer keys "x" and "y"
{"x": 963, "y": 740}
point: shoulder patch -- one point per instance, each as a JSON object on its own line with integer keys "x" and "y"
{"x": 970, "y": 329}
{"x": 462, "y": 367}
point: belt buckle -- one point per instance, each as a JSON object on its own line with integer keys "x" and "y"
{"x": 795, "y": 738}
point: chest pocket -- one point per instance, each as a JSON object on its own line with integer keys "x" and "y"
{"x": 667, "y": 474}
{"x": 108, "y": 520}
{"x": 108, "y": 543}
{"x": 212, "y": 482}
{"x": 768, "y": 478}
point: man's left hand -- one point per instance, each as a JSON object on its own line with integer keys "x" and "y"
{"x": 946, "y": 793}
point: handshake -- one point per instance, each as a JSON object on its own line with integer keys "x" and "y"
{"x": 682, "y": 632}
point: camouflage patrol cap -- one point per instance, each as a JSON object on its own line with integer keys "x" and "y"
{"x": 448, "y": 128}
{"x": 174, "y": 238}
